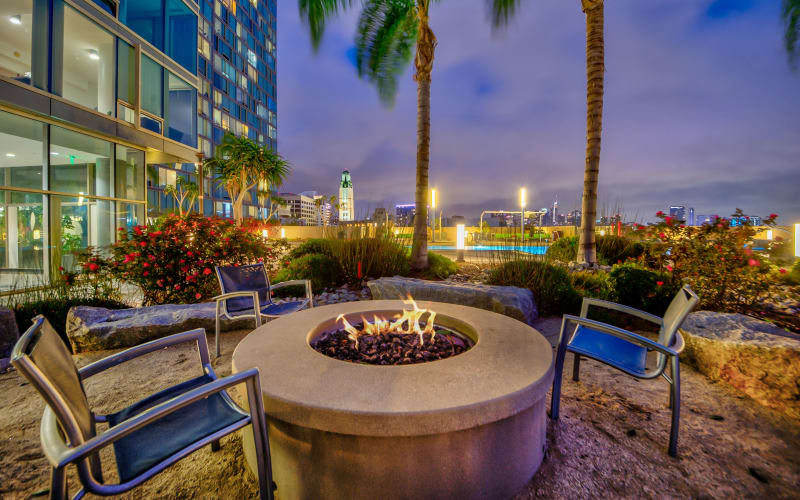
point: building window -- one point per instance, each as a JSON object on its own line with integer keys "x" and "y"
{"x": 181, "y": 111}
{"x": 145, "y": 17}
{"x": 21, "y": 152}
{"x": 22, "y": 234}
{"x": 80, "y": 164}
{"x": 181, "y": 21}
{"x": 80, "y": 222}
{"x": 88, "y": 63}
{"x": 152, "y": 87}
{"x": 16, "y": 40}
{"x": 129, "y": 173}
{"x": 126, "y": 72}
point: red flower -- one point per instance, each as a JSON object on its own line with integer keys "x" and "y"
{"x": 206, "y": 271}
{"x": 659, "y": 213}
{"x": 669, "y": 268}
{"x": 142, "y": 243}
{"x": 662, "y": 236}
{"x": 748, "y": 251}
{"x": 782, "y": 270}
{"x": 659, "y": 283}
{"x": 177, "y": 287}
{"x": 145, "y": 273}
{"x": 668, "y": 220}
{"x": 197, "y": 295}
{"x": 753, "y": 263}
{"x": 61, "y": 268}
{"x": 189, "y": 254}
{"x": 93, "y": 266}
{"x": 146, "y": 264}
{"x": 773, "y": 216}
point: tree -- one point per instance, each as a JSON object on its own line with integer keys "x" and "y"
{"x": 791, "y": 35}
{"x": 240, "y": 165}
{"x": 182, "y": 191}
{"x": 502, "y": 11}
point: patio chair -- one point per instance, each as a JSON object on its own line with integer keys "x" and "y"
{"x": 246, "y": 290}
{"x": 148, "y": 436}
{"x": 627, "y": 351}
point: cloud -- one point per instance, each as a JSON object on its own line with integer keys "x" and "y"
{"x": 700, "y": 109}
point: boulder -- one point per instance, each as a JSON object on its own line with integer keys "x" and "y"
{"x": 755, "y": 357}
{"x": 8, "y": 331}
{"x": 515, "y": 302}
{"x": 97, "y": 328}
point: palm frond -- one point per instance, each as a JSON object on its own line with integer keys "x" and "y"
{"x": 791, "y": 36}
{"x": 501, "y": 12}
{"x": 385, "y": 39}
{"x": 316, "y": 13}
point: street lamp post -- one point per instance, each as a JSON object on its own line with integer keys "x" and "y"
{"x": 433, "y": 208}
{"x": 522, "y": 196}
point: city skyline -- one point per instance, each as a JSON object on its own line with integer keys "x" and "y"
{"x": 695, "y": 111}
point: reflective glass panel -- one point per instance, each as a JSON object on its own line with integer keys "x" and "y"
{"x": 16, "y": 34}
{"x": 181, "y": 34}
{"x": 21, "y": 151}
{"x": 152, "y": 86}
{"x": 78, "y": 223}
{"x": 181, "y": 119}
{"x": 80, "y": 164}
{"x": 146, "y": 18}
{"x": 126, "y": 72}
{"x": 88, "y": 64}
{"x": 129, "y": 175}
{"x": 21, "y": 240}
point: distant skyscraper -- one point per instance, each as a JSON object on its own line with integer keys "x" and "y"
{"x": 691, "y": 217}
{"x": 554, "y": 215}
{"x": 678, "y": 212}
{"x": 404, "y": 214}
{"x": 346, "y": 201}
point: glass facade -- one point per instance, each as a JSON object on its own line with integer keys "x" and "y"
{"x": 165, "y": 24}
{"x": 62, "y": 191}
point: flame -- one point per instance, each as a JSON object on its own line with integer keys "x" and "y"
{"x": 409, "y": 318}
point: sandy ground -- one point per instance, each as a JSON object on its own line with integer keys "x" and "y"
{"x": 610, "y": 442}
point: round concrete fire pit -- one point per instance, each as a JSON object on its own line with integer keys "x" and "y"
{"x": 470, "y": 426}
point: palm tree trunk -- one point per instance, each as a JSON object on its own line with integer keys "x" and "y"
{"x": 594, "y": 124}
{"x": 426, "y": 44}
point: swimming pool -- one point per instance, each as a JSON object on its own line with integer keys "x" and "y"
{"x": 533, "y": 250}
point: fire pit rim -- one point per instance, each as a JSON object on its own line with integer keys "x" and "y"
{"x": 509, "y": 369}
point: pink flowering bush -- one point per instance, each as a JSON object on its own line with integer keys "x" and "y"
{"x": 715, "y": 259}
{"x": 173, "y": 260}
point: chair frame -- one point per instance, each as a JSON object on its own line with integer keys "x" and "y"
{"x": 75, "y": 450}
{"x": 668, "y": 355}
{"x": 222, "y": 309}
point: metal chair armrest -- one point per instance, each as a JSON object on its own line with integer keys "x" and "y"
{"x": 231, "y": 295}
{"x": 198, "y": 335}
{"x": 619, "y": 332}
{"x": 306, "y": 283}
{"x": 618, "y": 307}
{"x": 61, "y": 455}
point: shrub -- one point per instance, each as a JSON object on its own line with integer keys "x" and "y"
{"x": 564, "y": 249}
{"x": 610, "y": 249}
{"x": 439, "y": 266}
{"x": 715, "y": 259}
{"x": 322, "y": 270}
{"x": 597, "y": 285}
{"x": 550, "y": 284}
{"x": 643, "y": 289}
{"x": 315, "y": 245}
{"x": 362, "y": 258}
{"x": 173, "y": 260}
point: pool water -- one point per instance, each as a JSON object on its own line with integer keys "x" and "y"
{"x": 534, "y": 250}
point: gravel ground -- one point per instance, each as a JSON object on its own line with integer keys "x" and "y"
{"x": 610, "y": 442}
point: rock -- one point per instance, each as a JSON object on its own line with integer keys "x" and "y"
{"x": 755, "y": 357}
{"x": 8, "y": 331}
{"x": 97, "y": 328}
{"x": 517, "y": 303}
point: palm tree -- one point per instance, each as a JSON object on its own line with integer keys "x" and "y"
{"x": 791, "y": 36}
{"x": 502, "y": 11}
{"x": 241, "y": 164}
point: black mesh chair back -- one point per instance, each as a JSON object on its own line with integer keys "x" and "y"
{"x": 250, "y": 278}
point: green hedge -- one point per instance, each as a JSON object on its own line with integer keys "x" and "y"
{"x": 439, "y": 266}
{"x": 323, "y": 271}
{"x": 643, "y": 289}
{"x": 610, "y": 249}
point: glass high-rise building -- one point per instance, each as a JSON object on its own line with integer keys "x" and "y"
{"x": 98, "y": 99}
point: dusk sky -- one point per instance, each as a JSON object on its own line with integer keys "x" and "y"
{"x": 701, "y": 109}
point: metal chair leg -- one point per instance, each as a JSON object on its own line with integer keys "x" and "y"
{"x": 576, "y": 368}
{"x": 675, "y": 393}
{"x": 58, "y": 484}
{"x": 260, "y": 441}
{"x": 555, "y": 397}
{"x": 215, "y": 445}
{"x": 216, "y": 330}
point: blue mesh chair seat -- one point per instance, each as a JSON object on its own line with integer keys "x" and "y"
{"x": 148, "y": 436}
{"x": 149, "y": 445}
{"x": 246, "y": 289}
{"x": 627, "y": 351}
{"x": 609, "y": 349}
